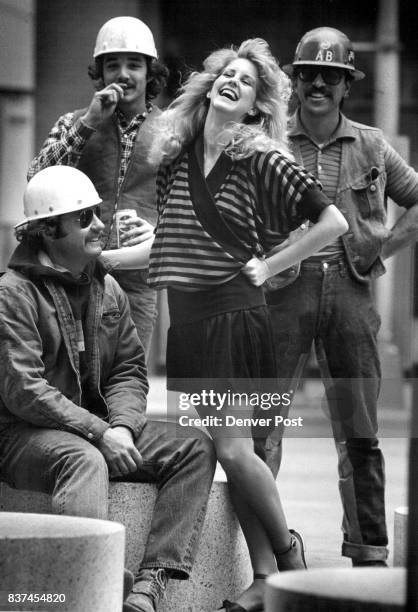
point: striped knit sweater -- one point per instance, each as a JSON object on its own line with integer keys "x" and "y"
{"x": 262, "y": 198}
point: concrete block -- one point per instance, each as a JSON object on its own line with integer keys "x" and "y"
{"x": 76, "y": 562}
{"x": 400, "y": 548}
{"x": 340, "y": 590}
{"x": 222, "y": 568}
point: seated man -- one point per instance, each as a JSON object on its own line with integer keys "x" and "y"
{"x": 74, "y": 385}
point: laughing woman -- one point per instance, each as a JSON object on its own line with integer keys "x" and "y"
{"x": 228, "y": 192}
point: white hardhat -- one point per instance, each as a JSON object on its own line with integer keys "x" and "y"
{"x": 125, "y": 35}
{"x": 57, "y": 190}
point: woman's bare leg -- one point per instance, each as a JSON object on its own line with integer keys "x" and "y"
{"x": 261, "y": 552}
{"x": 249, "y": 475}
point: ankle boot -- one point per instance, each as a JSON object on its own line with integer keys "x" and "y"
{"x": 293, "y": 557}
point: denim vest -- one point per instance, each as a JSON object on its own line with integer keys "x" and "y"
{"x": 360, "y": 196}
{"x": 100, "y": 160}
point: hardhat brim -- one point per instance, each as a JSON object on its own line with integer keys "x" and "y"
{"x": 120, "y": 50}
{"x": 70, "y": 209}
{"x": 289, "y": 69}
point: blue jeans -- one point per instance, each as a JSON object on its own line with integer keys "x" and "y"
{"x": 75, "y": 473}
{"x": 142, "y": 302}
{"x": 326, "y": 306}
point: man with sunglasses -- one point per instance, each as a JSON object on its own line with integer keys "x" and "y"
{"x": 109, "y": 141}
{"x": 73, "y": 386}
{"x": 330, "y": 302}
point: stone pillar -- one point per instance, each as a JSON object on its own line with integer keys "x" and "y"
{"x": 75, "y": 563}
{"x": 339, "y": 590}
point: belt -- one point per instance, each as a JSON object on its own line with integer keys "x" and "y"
{"x": 324, "y": 265}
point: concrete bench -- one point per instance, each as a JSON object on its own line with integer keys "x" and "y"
{"x": 400, "y": 549}
{"x": 56, "y": 557}
{"x": 339, "y": 590}
{"x": 222, "y": 568}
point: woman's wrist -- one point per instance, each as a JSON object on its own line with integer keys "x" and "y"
{"x": 268, "y": 269}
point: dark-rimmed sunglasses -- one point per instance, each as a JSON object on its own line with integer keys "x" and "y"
{"x": 330, "y": 76}
{"x": 85, "y": 217}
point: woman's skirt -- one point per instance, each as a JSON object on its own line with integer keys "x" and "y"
{"x": 221, "y": 361}
{"x": 221, "y": 333}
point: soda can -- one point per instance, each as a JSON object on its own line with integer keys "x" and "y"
{"x": 120, "y": 217}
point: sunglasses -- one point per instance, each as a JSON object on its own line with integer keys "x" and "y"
{"x": 330, "y": 76}
{"x": 86, "y": 216}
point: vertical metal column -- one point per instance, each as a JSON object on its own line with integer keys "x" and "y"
{"x": 386, "y": 110}
{"x": 412, "y": 587}
{"x": 17, "y": 85}
{"x": 387, "y": 71}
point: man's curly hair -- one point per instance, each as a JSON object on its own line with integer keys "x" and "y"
{"x": 32, "y": 234}
{"x": 157, "y": 75}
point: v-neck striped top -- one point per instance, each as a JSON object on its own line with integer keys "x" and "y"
{"x": 262, "y": 198}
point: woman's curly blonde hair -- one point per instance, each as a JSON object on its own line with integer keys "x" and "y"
{"x": 185, "y": 117}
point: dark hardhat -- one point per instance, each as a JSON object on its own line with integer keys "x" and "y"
{"x": 325, "y": 47}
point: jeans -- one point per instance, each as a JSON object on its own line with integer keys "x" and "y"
{"x": 142, "y": 302}
{"x": 326, "y": 306}
{"x": 75, "y": 473}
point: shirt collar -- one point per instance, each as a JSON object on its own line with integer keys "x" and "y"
{"x": 344, "y": 129}
{"x": 137, "y": 119}
{"x": 45, "y": 260}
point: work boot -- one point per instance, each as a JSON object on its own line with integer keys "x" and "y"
{"x": 374, "y": 563}
{"x": 147, "y": 592}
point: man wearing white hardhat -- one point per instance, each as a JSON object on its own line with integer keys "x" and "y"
{"x": 109, "y": 141}
{"x": 330, "y": 303}
{"x": 74, "y": 386}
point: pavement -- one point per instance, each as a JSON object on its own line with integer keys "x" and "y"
{"x": 308, "y": 482}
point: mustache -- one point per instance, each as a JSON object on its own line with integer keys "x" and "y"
{"x": 321, "y": 90}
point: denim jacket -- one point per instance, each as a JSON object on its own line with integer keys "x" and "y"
{"x": 39, "y": 360}
{"x": 368, "y": 162}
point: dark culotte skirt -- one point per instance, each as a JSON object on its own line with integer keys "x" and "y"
{"x": 221, "y": 339}
{"x": 223, "y": 332}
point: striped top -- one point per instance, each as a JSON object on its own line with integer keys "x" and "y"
{"x": 262, "y": 198}
{"x": 323, "y": 161}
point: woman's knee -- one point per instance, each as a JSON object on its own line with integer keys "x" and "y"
{"x": 232, "y": 453}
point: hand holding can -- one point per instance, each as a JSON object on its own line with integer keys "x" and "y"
{"x": 134, "y": 230}
{"x": 122, "y": 218}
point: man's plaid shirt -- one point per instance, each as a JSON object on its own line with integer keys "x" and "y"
{"x": 67, "y": 138}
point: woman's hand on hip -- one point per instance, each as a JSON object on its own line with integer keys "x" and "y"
{"x": 257, "y": 271}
